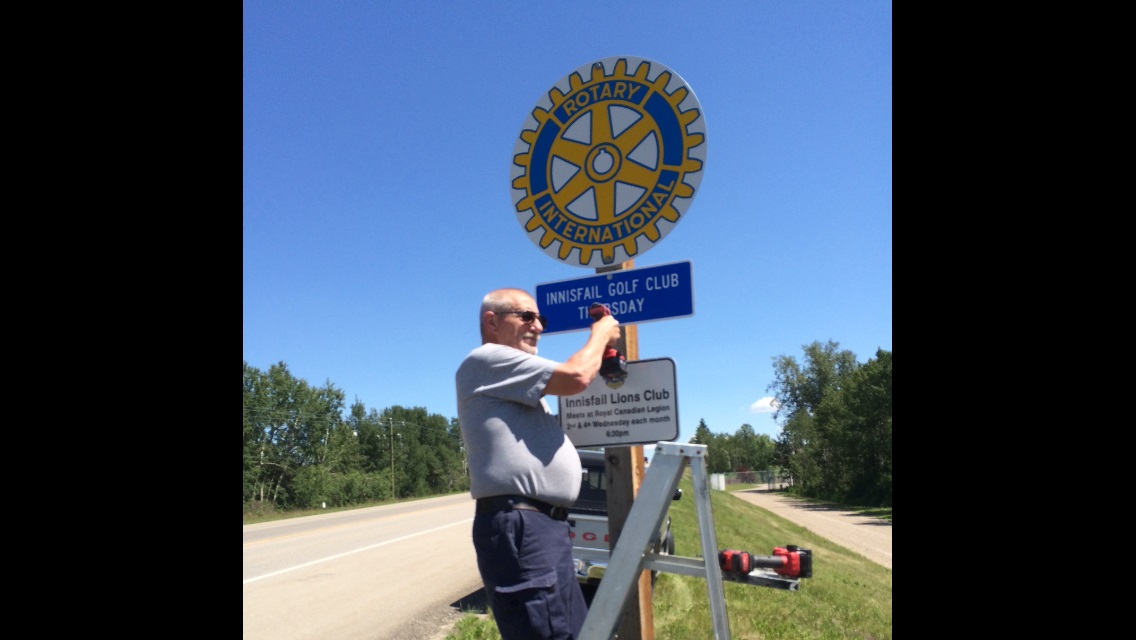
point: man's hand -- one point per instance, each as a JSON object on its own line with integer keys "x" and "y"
{"x": 575, "y": 374}
{"x": 600, "y": 312}
{"x": 608, "y": 327}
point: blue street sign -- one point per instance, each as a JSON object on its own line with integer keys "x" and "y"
{"x": 633, "y": 295}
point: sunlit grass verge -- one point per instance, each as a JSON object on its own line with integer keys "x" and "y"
{"x": 884, "y": 513}
{"x": 255, "y": 513}
{"x": 475, "y": 627}
{"x": 848, "y": 596}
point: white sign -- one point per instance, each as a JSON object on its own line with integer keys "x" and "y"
{"x": 640, "y": 409}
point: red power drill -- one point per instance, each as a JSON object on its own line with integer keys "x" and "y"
{"x": 789, "y": 561}
{"x": 614, "y": 365}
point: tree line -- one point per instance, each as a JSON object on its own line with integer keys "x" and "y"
{"x": 835, "y": 417}
{"x": 304, "y": 448}
{"x": 301, "y": 451}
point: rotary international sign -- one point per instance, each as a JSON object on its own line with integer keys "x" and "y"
{"x": 608, "y": 162}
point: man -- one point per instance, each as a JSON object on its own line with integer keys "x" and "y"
{"x": 523, "y": 469}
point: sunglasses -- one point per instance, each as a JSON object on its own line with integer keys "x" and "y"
{"x": 529, "y": 316}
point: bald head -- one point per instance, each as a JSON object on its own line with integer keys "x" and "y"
{"x": 499, "y": 326}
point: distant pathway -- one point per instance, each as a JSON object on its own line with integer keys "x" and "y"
{"x": 870, "y": 537}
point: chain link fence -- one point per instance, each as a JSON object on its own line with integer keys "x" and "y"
{"x": 772, "y": 478}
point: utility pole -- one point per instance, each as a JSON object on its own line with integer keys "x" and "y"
{"x": 391, "y": 432}
{"x": 401, "y": 423}
{"x": 625, "y": 471}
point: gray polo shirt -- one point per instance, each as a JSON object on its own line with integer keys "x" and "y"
{"x": 513, "y": 441}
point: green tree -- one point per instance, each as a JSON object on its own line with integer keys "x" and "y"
{"x": 288, "y": 425}
{"x": 836, "y": 430}
{"x": 718, "y": 455}
{"x": 301, "y": 452}
{"x": 744, "y": 450}
{"x": 860, "y": 417}
{"x": 428, "y": 455}
{"x": 754, "y": 451}
{"x": 255, "y": 406}
{"x": 702, "y": 434}
{"x": 747, "y": 447}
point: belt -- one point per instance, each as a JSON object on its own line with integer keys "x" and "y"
{"x": 494, "y": 504}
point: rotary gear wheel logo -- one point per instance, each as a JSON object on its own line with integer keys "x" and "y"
{"x": 607, "y": 165}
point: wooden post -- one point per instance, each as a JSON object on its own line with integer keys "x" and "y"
{"x": 624, "y": 471}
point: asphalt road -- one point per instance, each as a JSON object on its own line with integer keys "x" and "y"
{"x": 396, "y": 572}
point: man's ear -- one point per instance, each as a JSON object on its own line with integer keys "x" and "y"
{"x": 489, "y": 320}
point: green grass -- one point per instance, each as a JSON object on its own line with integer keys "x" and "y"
{"x": 271, "y": 514}
{"x": 883, "y": 513}
{"x": 255, "y": 515}
{"x": 848, "y": 596}
{"x": 474, "y": 627}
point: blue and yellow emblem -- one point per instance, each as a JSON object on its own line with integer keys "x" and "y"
{"x": 609, "y": 162}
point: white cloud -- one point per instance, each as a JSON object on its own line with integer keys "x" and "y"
{"x": 765, "y": 405}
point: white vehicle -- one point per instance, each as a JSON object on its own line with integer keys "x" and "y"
{"x": 588, "y": 519}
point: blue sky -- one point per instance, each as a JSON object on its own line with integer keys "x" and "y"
{"x": 378, "y": 144}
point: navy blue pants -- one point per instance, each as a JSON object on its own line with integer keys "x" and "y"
{"x": 525, "y": 560}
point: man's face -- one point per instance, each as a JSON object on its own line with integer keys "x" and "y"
{"x": 512, "y": 330}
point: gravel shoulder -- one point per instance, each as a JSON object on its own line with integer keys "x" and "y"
{"x": 868, "y": 536}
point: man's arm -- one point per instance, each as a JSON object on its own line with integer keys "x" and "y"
{"x": 575, "y": 374}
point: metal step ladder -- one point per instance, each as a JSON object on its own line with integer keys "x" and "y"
{"x": 632, "y": 554}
